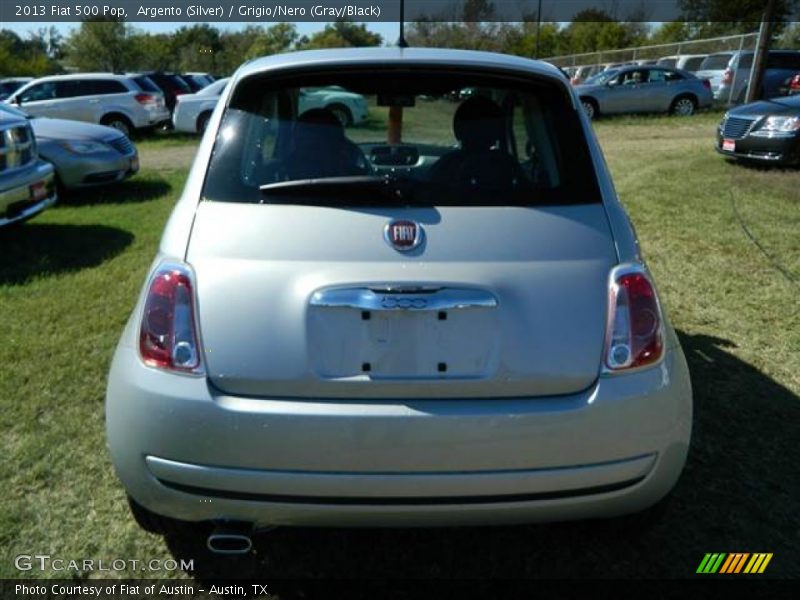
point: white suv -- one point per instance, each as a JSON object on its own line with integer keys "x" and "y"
{"x": 114, "y": 100}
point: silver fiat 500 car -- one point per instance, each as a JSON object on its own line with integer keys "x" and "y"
{"x": 438, "y": 316}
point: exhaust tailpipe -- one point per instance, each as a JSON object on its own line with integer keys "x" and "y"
{"x": 231, "y": 539}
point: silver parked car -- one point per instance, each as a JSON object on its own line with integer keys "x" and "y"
{"x": 84, "y": 155}
{"x": 444, "y": 319}
{"x": 644, "y": 90}
{"x": 687, "y": 62}
{"x": 121, "y": 102}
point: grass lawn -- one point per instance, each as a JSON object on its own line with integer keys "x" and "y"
{"x": 68, "y": 280}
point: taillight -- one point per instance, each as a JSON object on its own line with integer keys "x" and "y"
{"x": 168, "y": 333}
{"x": 727, "y": 77}
{"x": 706, "y": 83}
{"x": 146, "y": 99}
{"x": 795, "y": 83}
{"x": 634, "y": 335}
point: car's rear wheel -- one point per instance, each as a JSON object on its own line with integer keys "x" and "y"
{"x": 118, "y": 122}
{"x": 342, "y": 113}
{"x": 590, "y": 108}
{"x": 683, "y": 106}
{"x": 202, "y": 122}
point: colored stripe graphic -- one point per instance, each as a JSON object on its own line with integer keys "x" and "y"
{"x": 764, "y": 564}
{"x": 726, "y": 565}
{"x": 710, "y": 563}
{"x": 721, "y": 562}
{"x": 703, "y": 563}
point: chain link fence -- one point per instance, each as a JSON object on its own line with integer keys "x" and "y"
{"x": 668, "y": 54}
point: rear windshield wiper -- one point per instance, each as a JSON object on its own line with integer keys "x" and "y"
{"x": 340, "y": 191}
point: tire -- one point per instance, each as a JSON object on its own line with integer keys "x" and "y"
{"x": 118, "y": 122}
{"x": 202, "y": 122}
{"x": 590, "y": 108}
{"x": 683, "y": 106}
{"x": 342, "y": 113}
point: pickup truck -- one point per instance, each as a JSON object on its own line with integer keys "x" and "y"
{"x": 26, "y": 182}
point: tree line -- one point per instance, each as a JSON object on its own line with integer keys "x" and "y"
{"x": 117, "y": 46}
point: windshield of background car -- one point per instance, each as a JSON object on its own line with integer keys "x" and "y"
{"x": 439, "y": 137}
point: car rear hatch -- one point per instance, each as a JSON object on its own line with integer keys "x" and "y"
{"x": 302, "y": 294}
{"x": 312, "y": 302}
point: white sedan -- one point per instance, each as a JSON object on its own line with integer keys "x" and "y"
{"x": 192, "y": 111}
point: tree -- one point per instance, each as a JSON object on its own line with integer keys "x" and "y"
{"x": 729, "y": 17}
{"x": 594, "y": 30}
{"x": 101, "y": 45}
{"x": 672, "y": 32}
{"x": 271, "y": 40}
{"x": 342, "y": 34}
{"x": 25, "y": 57}
{"x": 195, "y": 47}
{"x": 790, "y": 38}
{"x": 152, "y": 52}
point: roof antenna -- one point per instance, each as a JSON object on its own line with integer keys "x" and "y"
{"x": 402, "y": 43}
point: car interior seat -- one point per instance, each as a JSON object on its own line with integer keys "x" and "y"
{"x": 482, "y": 158}
{"x": 321, "y": 149}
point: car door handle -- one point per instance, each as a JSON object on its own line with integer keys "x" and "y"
{"x": 403, "y": 298}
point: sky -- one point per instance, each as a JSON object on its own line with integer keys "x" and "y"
{"x": 389, "y": 31}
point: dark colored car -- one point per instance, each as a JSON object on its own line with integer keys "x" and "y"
{"x": 766, "y": 131}
{"x": 169, "y": 83}
{"x": 195, "y": 82}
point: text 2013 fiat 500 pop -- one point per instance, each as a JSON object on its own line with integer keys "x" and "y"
{"x": 437, "y": 316}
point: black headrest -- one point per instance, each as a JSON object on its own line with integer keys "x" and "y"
{"x": 478, "y": 121}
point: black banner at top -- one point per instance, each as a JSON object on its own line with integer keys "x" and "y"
{"x": 273, "y": 11}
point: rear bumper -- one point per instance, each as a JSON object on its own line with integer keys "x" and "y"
{"x": 184, "y": 450}
{"x": 156, "y": 117}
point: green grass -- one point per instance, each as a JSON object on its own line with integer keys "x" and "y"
{"x": 68, "y": 280}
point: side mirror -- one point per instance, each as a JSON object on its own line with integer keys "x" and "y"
{"x": 17, "y": 100}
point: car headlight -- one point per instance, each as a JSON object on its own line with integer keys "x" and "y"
{"x": 778, "y": 124}
{"x": 83, "y": 147}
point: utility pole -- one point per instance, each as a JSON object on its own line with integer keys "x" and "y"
{"x": 538, "y": 27}
{"x": 762, "y": 51}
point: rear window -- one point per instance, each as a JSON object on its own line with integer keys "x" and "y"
{"x": 716, "y": 62}
{"x": 693, "y": 64}
{"x": 668, "y": 62}
{"x": 175, "y": 83}
{"x": 784, "y": 60}
{"x": 146, "y": 84}
{"x": 394, "y": 137}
